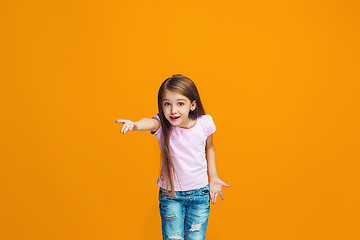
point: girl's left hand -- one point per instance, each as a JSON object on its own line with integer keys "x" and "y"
{"x": 215, "y": 188}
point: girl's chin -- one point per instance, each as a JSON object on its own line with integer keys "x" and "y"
{"x": 175, "y": 123}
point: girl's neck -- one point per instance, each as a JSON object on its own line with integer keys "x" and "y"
{"x": 190, "y": 124}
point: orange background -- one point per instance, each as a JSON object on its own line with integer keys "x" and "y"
{"x": 279, "y": 78}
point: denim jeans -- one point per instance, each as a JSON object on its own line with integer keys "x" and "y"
{"x": 186, "y": 215}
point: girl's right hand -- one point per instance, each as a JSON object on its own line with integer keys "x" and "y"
{"x": 128, "y": 125}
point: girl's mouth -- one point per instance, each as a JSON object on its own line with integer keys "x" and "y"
{"x": 174, "y": 118}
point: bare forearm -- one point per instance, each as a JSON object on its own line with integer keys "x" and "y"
{"x": 145, "y": 124}
{"x": 210, "y": 156}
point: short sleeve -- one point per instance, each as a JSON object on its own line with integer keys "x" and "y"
{"x": 209, "y": 125}
{"x": 158, "y": 118}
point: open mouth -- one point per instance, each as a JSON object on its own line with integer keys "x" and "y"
{"x": 174, "y": 118}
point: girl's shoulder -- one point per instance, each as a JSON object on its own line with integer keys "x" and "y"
{"x": 207, "y": 123}
{"x": 156, "y": 116}
{"x": 205, "y": 117}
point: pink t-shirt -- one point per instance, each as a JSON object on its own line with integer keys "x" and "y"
{"x": 187, "y": 148}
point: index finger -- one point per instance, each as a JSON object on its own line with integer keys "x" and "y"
{"x": 120, "y": 120}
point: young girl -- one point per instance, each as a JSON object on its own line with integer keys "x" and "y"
{"x": 188, "y": 179}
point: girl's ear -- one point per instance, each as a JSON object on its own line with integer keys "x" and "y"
{"x": 193, "y": 105}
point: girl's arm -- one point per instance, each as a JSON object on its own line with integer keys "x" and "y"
{"x": 210, "y": 157}
{"x": 215, "y": 183}
{"x": 143, "y": 124}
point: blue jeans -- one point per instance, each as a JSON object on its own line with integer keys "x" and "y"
{"x": 186, "y": 215}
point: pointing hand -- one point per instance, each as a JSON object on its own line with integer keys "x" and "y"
{"x": 128, "y": 125}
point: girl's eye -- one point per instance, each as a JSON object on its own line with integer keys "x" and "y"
{"x": 181, "y": 104}
{"x": 166, "y": 104}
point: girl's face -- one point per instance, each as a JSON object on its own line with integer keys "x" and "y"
{"x": 176, "y": 108}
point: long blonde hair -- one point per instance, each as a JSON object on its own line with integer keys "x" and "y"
{"x": 186, "y": 87}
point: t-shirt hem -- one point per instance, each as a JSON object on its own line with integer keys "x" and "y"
{"x": 187, "y": 188}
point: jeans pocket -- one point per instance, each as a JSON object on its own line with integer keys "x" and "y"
{"x": 166, "y": 194}
{"x": 204, "y": 190}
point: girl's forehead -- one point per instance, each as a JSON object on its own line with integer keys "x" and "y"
{"x": 173, "y": 96}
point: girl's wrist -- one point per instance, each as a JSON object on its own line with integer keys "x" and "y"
{"x": 213, "y": 177}
{"x": 135, "y": 126}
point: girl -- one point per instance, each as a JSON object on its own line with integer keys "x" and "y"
{"x": 188, "y": 179}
